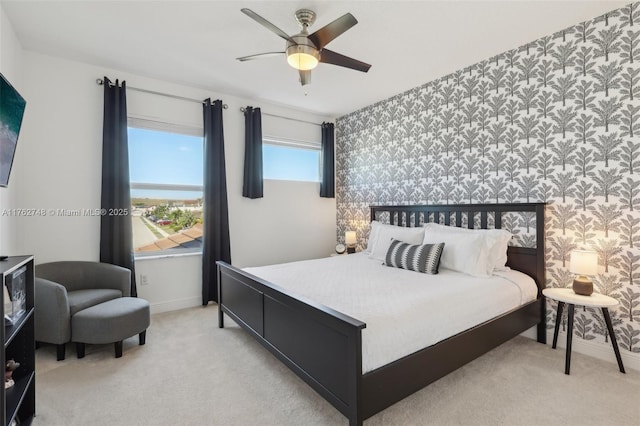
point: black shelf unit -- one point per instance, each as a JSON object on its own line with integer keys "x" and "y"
{"x": 19, "y": 401}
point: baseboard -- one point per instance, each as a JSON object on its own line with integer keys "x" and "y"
{"x": 174, "y": 305}
{"x": 600, "y": 350}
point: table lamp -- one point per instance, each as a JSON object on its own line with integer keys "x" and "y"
{"x": 350, "y": 241}
{"x": 583, "y": 263}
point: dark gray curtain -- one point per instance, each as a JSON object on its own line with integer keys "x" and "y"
{"x": 252, "y": 186}
{"x": 327, "y": 186}
{"x": 216, "y": 243}
{"x": 116, "y": 235}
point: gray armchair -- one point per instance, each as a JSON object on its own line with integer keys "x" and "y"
{"x": 64, "y": 288}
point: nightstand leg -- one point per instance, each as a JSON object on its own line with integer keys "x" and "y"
{"x": 612, "y": 336}
{"x": 567, "y": 362}
{"x": 557, "y": 327}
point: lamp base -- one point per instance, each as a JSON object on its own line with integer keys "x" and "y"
{"x": 351, "y": 249}
{"x": 582, "y": 285}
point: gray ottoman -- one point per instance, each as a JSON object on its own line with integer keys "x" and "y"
{"x": 111, "y": 322}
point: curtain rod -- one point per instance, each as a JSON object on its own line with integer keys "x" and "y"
{"x": 100, "y": 82}
{"x": 243, "y": 109}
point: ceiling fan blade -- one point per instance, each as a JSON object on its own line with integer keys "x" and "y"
{"x": 260, "y": 56}
{"x": 331, "y": 57}
{"x": 305, "y": 77}
{"x": 268, "y": 25}
{"x": 326, "y": 34}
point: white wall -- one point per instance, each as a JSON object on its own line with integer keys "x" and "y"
{"x": 10, "y": 67}
{"x": 61, "y": 163}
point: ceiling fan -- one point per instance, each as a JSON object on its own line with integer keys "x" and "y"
{"x": 304, "y": 51}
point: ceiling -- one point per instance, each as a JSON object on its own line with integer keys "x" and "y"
{"x": 195, "y": 43}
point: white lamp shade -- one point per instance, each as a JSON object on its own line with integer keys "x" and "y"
{"x": 583, "y": 262}
{"x": 350, "y": 238}
{"x": 302, "y": 57}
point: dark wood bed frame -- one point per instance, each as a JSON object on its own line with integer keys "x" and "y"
{"x": 324, "y": 347}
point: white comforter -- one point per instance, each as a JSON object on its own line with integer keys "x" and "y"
{"x": 405, "y": 311}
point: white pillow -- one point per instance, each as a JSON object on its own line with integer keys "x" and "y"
{"x": 499, "y": 249}
{"x": 385, "y": 233}
{"x": 466, "y": 253}
{"x": 496, "y": 243}
{"x": 373, "y": 235}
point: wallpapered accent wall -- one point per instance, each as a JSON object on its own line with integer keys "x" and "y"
{"x": 556, "y": 121}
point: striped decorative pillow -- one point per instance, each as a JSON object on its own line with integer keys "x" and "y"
{"x": 420, "y": 258}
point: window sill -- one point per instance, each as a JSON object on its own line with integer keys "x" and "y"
{"x": 292, "y": 180}
{"x": 166, "y": 255}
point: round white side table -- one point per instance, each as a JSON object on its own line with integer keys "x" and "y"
{"x": 596, "y": 300}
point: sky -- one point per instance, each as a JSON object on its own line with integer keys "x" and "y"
{"x": 286, "y": 163}
{"x": 171, "y": 158}
{"x": 160, "y": 157}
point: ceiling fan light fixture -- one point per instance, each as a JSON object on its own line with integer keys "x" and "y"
{"x": 304, "y": 51}
{"x": 302, "y": 57}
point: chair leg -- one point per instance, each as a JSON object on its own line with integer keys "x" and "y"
{"x": 142, "y": 337}
{"x": 118, "y": 348}
{"x": 80, "y": 349}
{"x": 60, "y": 351}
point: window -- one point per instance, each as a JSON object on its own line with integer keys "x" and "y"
{"x": 287, "y": 159}
{"x": 166, "y": 174}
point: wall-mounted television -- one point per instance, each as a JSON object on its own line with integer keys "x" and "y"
{"x": 11, "y": 111}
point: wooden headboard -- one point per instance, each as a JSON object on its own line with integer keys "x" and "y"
{"x": 529, "y": 260}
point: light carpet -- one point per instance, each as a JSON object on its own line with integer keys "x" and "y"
{"x": 192, "y": 373}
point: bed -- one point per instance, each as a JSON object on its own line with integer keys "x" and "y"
{"x": 324, "y": 346}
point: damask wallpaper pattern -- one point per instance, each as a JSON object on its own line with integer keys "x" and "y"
{"x": 556, "y": 120}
